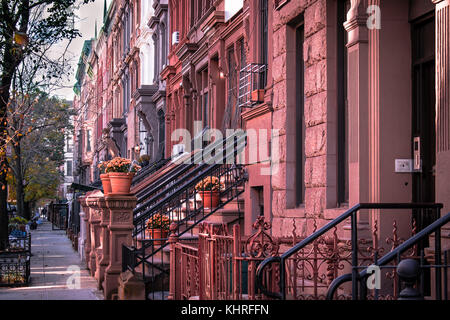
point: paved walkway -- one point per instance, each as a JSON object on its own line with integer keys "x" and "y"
{"x": 53, "y": 261}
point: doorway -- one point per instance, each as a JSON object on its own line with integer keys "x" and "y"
{"x": 423, "y": 113}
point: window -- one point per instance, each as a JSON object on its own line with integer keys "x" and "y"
{"x": 69, "y": 145}
{"x": 161, "y": 132}
{"x": 156, "y": 57}
{"x": 69, "y": 169}
{"x": 163, "y": 39}
{"x": 229, "y": 120}
{"x": 342, "y": 117}
{"x": 88, "y": 140}
{"x": 144, "y": 139}
{"x": 264, "y": 38}
{"x": 203, "y": 78}
{"x": 300, "y": 121}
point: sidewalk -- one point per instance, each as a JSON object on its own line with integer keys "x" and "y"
{"x": 52, "y": 255}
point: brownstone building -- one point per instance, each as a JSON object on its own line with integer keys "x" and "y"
{"x": 345, "y": 106}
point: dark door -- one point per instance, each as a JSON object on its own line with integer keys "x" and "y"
{"x": 423, "y": 126}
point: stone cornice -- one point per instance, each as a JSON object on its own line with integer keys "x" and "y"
{"x": 215, "y": 19}
{"x": 257, "y": 111}
{"x": 153, "y": 22}
{"x": 160, "y": 8}
{"x": 160, "y": 94}
{"x": 186, "y": 50}
{"x": 167, "y": 71}
{"x": 145, "y": 91}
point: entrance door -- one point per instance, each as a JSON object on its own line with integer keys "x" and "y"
{"x": 424, "y": 126}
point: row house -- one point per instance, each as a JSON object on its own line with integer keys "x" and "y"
{"x": 344, "y": 106}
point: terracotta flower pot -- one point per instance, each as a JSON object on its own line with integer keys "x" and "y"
{"x": 106, "y": 183}
{"x": 120, "y": 182}
{"x": 157, "y": 234}
{"x": 210, "y": 199}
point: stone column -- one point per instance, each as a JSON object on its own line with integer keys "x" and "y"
{"x": 442, "y": 125}
{"x": 443, "y": 102}
{"x": 82, "y": 235}
{"x": 120, "y": 229}
{"x": 358, "y": 106}
{"x": 94, "y": 221}
{"x": 104, "y": 240}
{"x": 87, "y": 231}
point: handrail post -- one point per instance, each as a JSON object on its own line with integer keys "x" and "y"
{"x": 173, "y": 239}
{"x": 437, "y": 248}
{"x": 282, "y": 278}
{"x": 236, "y": 270}
{"x": 354, "y": 257}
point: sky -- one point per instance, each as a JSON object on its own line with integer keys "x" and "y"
{"x": 87, "y": 14}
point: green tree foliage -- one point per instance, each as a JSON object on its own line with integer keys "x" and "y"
{"x": 28, "y": 30}
{"x": 38, "y": 127}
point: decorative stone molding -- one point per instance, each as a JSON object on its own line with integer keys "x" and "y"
{"x": 120, "y": 227}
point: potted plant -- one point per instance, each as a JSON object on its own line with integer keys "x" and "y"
{"x": 144, "y": 160}
{"x": 158, "y": 228}
{"x": 209, "y": 190}
{"x": 104, "y": 177}
{"x": 121, "y": 172}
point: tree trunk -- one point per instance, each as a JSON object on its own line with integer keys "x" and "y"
{"x": 9, "y": 67}
{"x": 27, "y": 210}
{"x": 20, "y": 193}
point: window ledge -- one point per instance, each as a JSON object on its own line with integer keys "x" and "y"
{"x": 299, "y": 212}
{"x": 333, "y": 213}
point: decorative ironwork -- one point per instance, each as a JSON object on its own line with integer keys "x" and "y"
{"x": 314, "y": 264}
{"x": 14, "y": 269}
{"x": 261, "y": 244}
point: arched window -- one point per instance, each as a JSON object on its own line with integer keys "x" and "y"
{"x": 156, "y": 53}
{"x": 161, "y": 133}
{"x": 163, "y": 45}
{"x": 144, "y": 139}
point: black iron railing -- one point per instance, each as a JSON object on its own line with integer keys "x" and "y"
{"x": 287, "y": 263}
{"x": 180, "y": 203}
{"x": 14, "y": 269}
{"x": 182, "y": 165}
{"x": 58, "y": 215}
{"x": 190, "y": 167}
{"x": 15, "y": 262}
{"x": 149, "y": 170}
{"x": 414, "y": 275}
{"x": 20, "y": 245}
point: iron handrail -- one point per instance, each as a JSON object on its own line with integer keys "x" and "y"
{"x": 433, "y": 227}
{"x": 350, "y": 213}
{"x": 180, "y": 170}
{"x": 149, "y": 169}
{"x": 177, "y": 188}
{"x": 180, "y": 190}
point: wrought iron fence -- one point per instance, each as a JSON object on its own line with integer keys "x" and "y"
{"x": 14, "y": 269}
{"x": 58, "y": 215}
{"x": 223, "y": 266}
{"x": 308, "y": 269}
